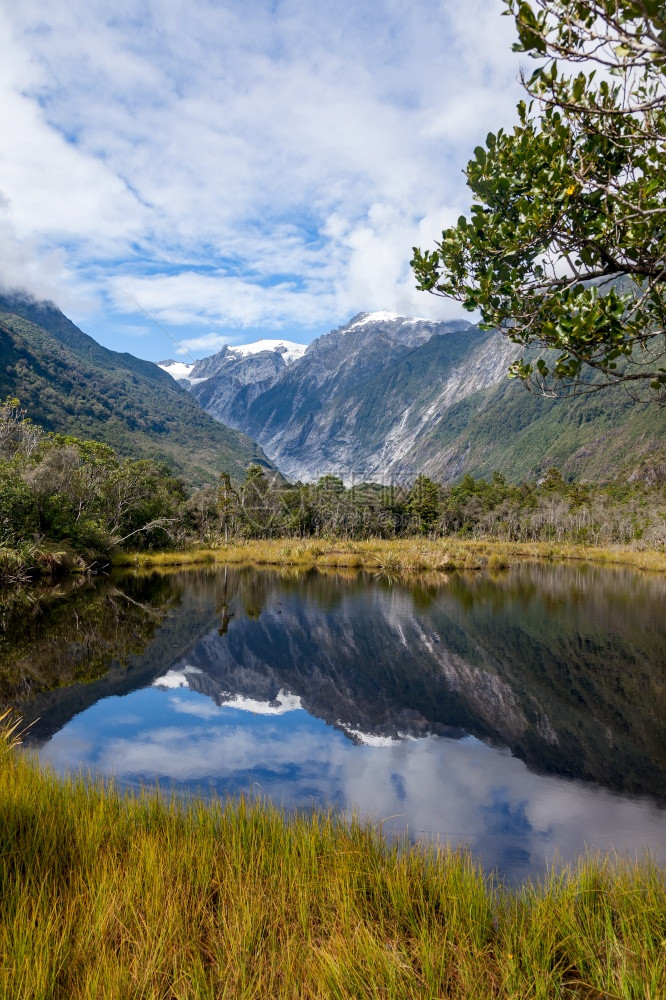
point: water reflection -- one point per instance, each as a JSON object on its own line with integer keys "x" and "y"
{"x": 53, "y": 637}
{"x": 517, "y": 714}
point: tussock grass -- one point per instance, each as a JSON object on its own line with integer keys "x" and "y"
{"x": 111, "y": 896}
{"x": 406, "y": 555}
{"x": 21, "y": 565}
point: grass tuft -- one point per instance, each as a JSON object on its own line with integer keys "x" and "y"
{"x": 10, "y": 730}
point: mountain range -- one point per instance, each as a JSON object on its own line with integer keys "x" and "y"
{"x": 70, "y": 384}
{"x": 382, "y": 398}
{"x": 386, "y": 397}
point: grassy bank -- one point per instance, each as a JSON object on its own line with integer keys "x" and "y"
{"x": 103, "y": 896}
{"x": 409, "y": 555}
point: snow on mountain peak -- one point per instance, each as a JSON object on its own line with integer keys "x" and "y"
{"x": 176, "y": 369}
{"x": 382, "y": 316}
{"x": 288, "y": 349}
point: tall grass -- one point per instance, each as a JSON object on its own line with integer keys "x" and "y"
{"x": 110, "y": 896}
{"x": 10, "y": 731}
{"x": 408, "y": 555}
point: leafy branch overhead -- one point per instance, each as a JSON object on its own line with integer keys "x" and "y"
{"x": 565, "y": 246}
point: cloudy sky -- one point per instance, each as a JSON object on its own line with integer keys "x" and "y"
{"x": 238, "y": 168}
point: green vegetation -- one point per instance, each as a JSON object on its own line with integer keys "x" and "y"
{"x": 564, "y": 249}
{"x": 522, "y": 434}
{"x": 65, "y": 503}
{"x": 549, "y": 510}
{"x": 138, "y": 896}
{"x": 72, "y": 385}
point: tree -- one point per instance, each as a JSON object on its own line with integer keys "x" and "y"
{"x": 260, "y": 501}
{"x": 565, "y": 249}
{"x": 423, "y": 503}
{"x": 19, "y": 437}
{"x": 228, "y": 504}
{"x": 19, "y": 513}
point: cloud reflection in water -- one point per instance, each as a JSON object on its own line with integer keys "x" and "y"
{"x": 458, "y": 790}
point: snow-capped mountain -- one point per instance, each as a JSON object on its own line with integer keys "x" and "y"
{"x": 178, "y": 370}
{"x": 386, "y": 397}
{"x": 355, "y": 401}
{"x": 198, "y": 371}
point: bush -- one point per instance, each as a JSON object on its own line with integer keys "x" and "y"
{"x": 19, "y": 512}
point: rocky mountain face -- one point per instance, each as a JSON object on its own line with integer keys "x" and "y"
{"x": 386, "y": 397}
{"x": 234, "y": 383}
{"x": 356, "y": 402}
{"x": 358, "y": 398}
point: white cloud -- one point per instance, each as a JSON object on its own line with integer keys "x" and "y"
{"x": 200, "y": 709}
{"x": 209, "y": 343}
{"x": 191, "y": 298}
{"x": 241, "y": 167}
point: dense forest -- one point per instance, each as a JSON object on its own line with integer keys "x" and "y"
{"x": 67, "y": 503}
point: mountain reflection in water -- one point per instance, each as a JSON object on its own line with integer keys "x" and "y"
{"x": 522, "y": 715}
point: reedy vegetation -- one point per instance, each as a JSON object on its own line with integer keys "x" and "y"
{"x": 404, "y": 557}
{"x": 139, "y": 896}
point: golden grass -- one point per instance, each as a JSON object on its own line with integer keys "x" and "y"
{"x": 10, "y": 731}
{"x": 104, "y": 896}
{"x": 407, "y": 555}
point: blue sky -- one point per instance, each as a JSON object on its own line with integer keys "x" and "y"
{"x": 239, "y": 169}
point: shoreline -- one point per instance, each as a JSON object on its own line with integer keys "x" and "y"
{"x": 407, "y": 556}
{"x": 401, "y": 555}
{"x": 138, "y": 895}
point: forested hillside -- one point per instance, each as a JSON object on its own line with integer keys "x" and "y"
{"x": 70, "y": 384}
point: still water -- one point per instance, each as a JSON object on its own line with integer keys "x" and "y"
{"x": 522, "y": 715}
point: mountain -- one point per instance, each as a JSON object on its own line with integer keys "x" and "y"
{"x": 386, "y": 397}
{"x": 521, "y": 434}
{"x": 282, "y": 353}
{"x": 70, "y": 384}
{"x": 319, "y": 413}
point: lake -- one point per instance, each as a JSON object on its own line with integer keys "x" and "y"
{"x": 521, "y": 714}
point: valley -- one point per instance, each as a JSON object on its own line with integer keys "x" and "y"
{"x": 384, "y": 398}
